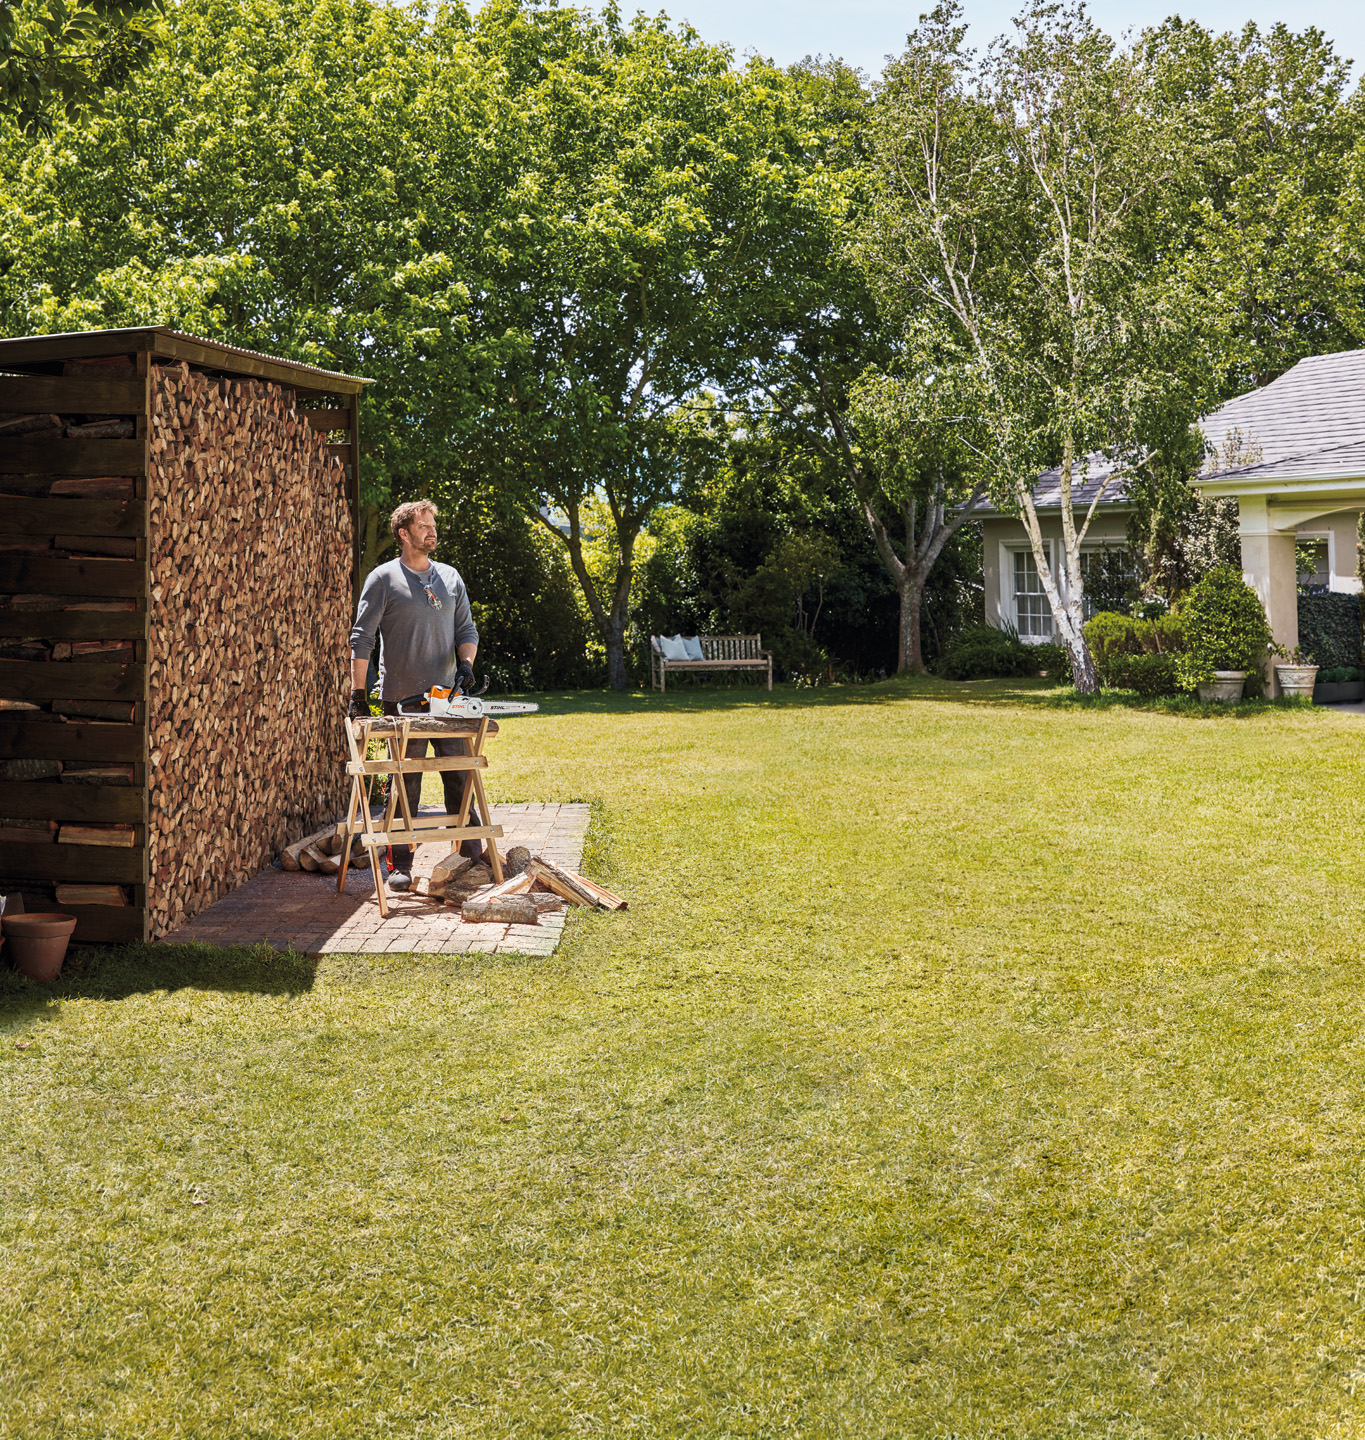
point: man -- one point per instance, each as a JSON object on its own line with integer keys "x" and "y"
{"x": 420, "y": 610}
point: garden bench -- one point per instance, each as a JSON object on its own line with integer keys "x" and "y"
{"x": 722, "y": 652}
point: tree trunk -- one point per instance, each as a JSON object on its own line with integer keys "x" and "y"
{"x": 611, "y": 623}
{"x": 911, "y": 657}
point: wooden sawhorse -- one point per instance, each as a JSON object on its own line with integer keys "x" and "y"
{"x": 399, "y": 826}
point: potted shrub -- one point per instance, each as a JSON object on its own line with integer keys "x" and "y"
{"x": 1296, "y": 672}
{"x": 1226, "y": 635}
{"x": 1339, "y": 684}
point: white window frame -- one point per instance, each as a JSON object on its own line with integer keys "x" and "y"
{"x": 1009, "y": 598}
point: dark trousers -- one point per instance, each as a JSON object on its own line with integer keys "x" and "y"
{"x": 452, "y": 781}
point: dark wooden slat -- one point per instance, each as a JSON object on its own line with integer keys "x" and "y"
{"x": 329, "y": 419}
{"x": 90, "y": 458}
{"x": 107, "y": 924}
{"x": 71, "y": 680}
{"x": 102, "y": 579}
{"x": 70, "y": 625}
{"x": 342, "y": 451}
{"x": 123, "y": 518}
{"x": 49, "y": 800}
{"x": 94, "y": 863}
{"x": 46, "y": 740}
{"x": 70, "y": 395}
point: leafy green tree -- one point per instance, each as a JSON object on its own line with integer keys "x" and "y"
{"x": 827, "y": 361}
{"x": 307, "y": 179}
{"x": 1010, "y": 234}
{"x": 58, "y": 58}
{"x": 656, "y": 197}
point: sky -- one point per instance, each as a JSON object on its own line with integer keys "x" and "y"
{"x": 863, "y": 32}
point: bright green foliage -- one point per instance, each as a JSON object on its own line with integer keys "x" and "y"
{"x": 657, "y": 203}
{"x": 1225, "y": 628}
{"x": 1029, "y": 1133}
{"x": 1148, "y": 673}
{"x": 1116, "y": 639}
{"x": 279, "y": 176}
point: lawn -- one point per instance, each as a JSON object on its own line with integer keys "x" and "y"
{"x": 966, "y": 1064}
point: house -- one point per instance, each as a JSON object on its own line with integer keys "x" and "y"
{"x": 1292, "y": 454}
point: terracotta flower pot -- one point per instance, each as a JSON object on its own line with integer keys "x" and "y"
{"x": 38, "y": 943}
{"x": 1226, "y": 686}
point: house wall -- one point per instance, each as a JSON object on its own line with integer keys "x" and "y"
{"x": 1001, "y": 536}
{"x": 250, "y": 606}
{"x": 1339, "y": 531}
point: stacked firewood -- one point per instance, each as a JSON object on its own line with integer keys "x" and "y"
{"x": 249, "y": 557}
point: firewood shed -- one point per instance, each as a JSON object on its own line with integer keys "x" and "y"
{"x": 177, "y": 564}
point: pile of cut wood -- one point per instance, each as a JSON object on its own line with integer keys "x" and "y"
{"x": 322, "y": 851}
{"x": 533, "y": 887}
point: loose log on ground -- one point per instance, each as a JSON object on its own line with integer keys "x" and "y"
{"x": 445, "y": 872}
{"x": 575, "y": 888}
{"x": 516, "y": 885}
{"x": 501, "y": 909}
{"x": 516, "y": 860}
{"x": 328, "y": 864}
{"x": 289, "y": 856}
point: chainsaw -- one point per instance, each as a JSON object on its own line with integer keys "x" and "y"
{"x": 448, "y": 700}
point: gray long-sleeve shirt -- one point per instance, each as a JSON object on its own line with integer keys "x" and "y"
{"x": 417, "y": 642}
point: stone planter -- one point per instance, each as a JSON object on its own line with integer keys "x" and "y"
{"x": 1296, "y": 681}
{"x": 1340, "y": 693}
{"x": 1225, "y": 686}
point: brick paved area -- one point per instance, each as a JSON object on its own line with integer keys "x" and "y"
{"x": 303, "y": 912}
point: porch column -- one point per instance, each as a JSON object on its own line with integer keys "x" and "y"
{"x": 1268, "y": 567}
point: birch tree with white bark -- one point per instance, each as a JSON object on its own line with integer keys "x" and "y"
{"x": 1015, "y": 229}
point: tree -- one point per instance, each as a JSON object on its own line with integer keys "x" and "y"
{"x": 309, "y": 179}
{"x": 1010, "y": 234}
{"x": 827, "y": 363}
{"x": 57, "y": 57}
{"x": 655, "y": 198}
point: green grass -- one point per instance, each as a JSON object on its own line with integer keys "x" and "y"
{"x": 967, "y": 1064}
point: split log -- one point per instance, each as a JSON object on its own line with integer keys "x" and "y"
{"x": 515, "y": 885}
{"x": 451, "y": 872}
{"x": 575, "y": 888}
{"x": 91, "y": 895}
{"x": 546, "y": 900}
{"x": 29, "y": 424}
{"x": 290, "y": 856}
{"x": 328, "y": 864}
{"x": 502, "y": 910}
{"x": 82, "y": 772}
{"x": 119, "y": 837}
{"x": 101, "y": 430}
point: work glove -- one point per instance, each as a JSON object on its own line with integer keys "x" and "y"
{"x": 359, "y": 708}
{"x": 464, "y": 678}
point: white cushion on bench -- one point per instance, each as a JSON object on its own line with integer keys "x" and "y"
{"x": 692, "y": 644}
{"x": 671, "y": 647}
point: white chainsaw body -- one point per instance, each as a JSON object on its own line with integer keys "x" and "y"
{"x": 471, "y": 707}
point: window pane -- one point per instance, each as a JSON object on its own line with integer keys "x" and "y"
{"x": 1033, "y": 615}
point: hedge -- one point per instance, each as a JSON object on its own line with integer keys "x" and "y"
{"x": 1329, "y": 628}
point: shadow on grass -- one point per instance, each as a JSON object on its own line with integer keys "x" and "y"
{"x": 1006, "y": 693}
{"x": 116, "y": 972}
